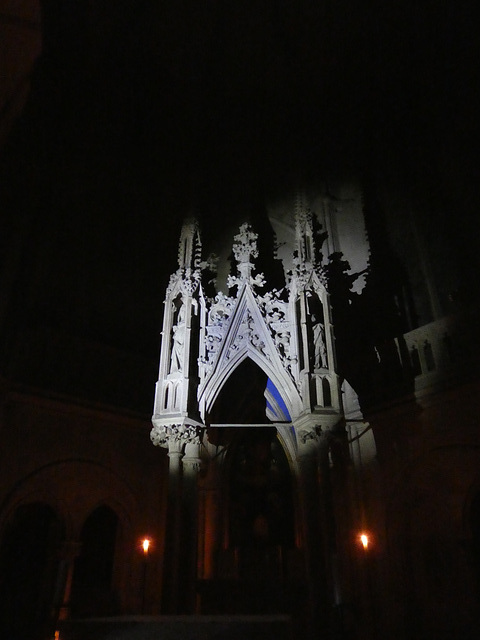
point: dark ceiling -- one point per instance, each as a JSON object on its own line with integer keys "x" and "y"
{"x": 141, "y": 112}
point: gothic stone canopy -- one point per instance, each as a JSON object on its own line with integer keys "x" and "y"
{"x": 287, "y": 333}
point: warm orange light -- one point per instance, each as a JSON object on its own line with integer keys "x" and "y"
{"x": 364, "y": 540}
{"x": 146, "y": 545}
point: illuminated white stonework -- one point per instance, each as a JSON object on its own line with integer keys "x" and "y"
{"x": 207, "y": 335}
{"x": 287, "y": 333}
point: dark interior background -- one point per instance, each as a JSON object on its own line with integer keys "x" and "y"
{"x": 140, "y": 113}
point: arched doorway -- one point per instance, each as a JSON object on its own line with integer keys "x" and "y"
{"x": 256, "y": 498}
{"x": 241, "y": 399}
{"x": 29, "y": 559}
{"x": 92, "y": 588}
{"x": 260, "y": 518}
{"x": 260, "y": 492}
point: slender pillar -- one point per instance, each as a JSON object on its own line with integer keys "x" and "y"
{"x": 172, "y": 542}
{"x": 313, "y": 538}
{"x": 191, "y": 466}
{"x": 210, "y": 512}
{"x": 63, "y": 588}
{"x": 183, "y": 444}
{"x": 329, "y": 532}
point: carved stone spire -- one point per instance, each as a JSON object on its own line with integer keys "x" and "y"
{"x": 188, "y": 275}
{"x": 304, "y": 230}
{"x": 190, "y": 246}
{"x": 307, "y": 258}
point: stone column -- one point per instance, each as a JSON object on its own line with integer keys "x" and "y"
{"x": 313, "y": 534}
{"x": 63, "y": 587}
{"x": 183, "y": 443}
{"x": 329, "y": 531}
{"x": 210, "y": 526}
{"x": 191, "y": 466}
{"x": 173, "y": 532}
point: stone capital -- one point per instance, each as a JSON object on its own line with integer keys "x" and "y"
{"x": 316, "y": 434}
{"x": 174, "y": 436}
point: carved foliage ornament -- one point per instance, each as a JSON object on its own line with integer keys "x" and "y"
{"x": 162, "y": 435}
{"x": 187, "y": 280}
{"x": 317, "y": 434}
{"x": 275, "y": 312}
{"x": 216, "y": 329}
{"x": 247, "y": 334}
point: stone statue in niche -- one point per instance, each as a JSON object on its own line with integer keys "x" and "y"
{"x": 212, "y": 346}
{"x": 282, "y": 341}
{"x": 319, "y": 346}
{"x": 178, "y": 341}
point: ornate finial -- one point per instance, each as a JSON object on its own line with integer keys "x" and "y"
{"x": 245, "y": 248}
{"x": 306, "y": 259}
{"x": 245, "y": 244}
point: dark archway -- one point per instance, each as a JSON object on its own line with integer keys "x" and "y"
{"x": 257, "y": 495}
{"x": 242, "y": 399}
{"x": 92, "y": 589}
{"x": 260, "y": 516}
{"x": 260, "y": 493}
{"x": 29, "y": 558}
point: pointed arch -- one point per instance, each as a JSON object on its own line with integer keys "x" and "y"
{"x": 241, "y": 399}
{"x": 216, "y": 383}
{"x": 276, "y": 407}
{"x": 238, "y": 344}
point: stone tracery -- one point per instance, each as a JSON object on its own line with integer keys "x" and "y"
{"x": 276, "y": 328}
